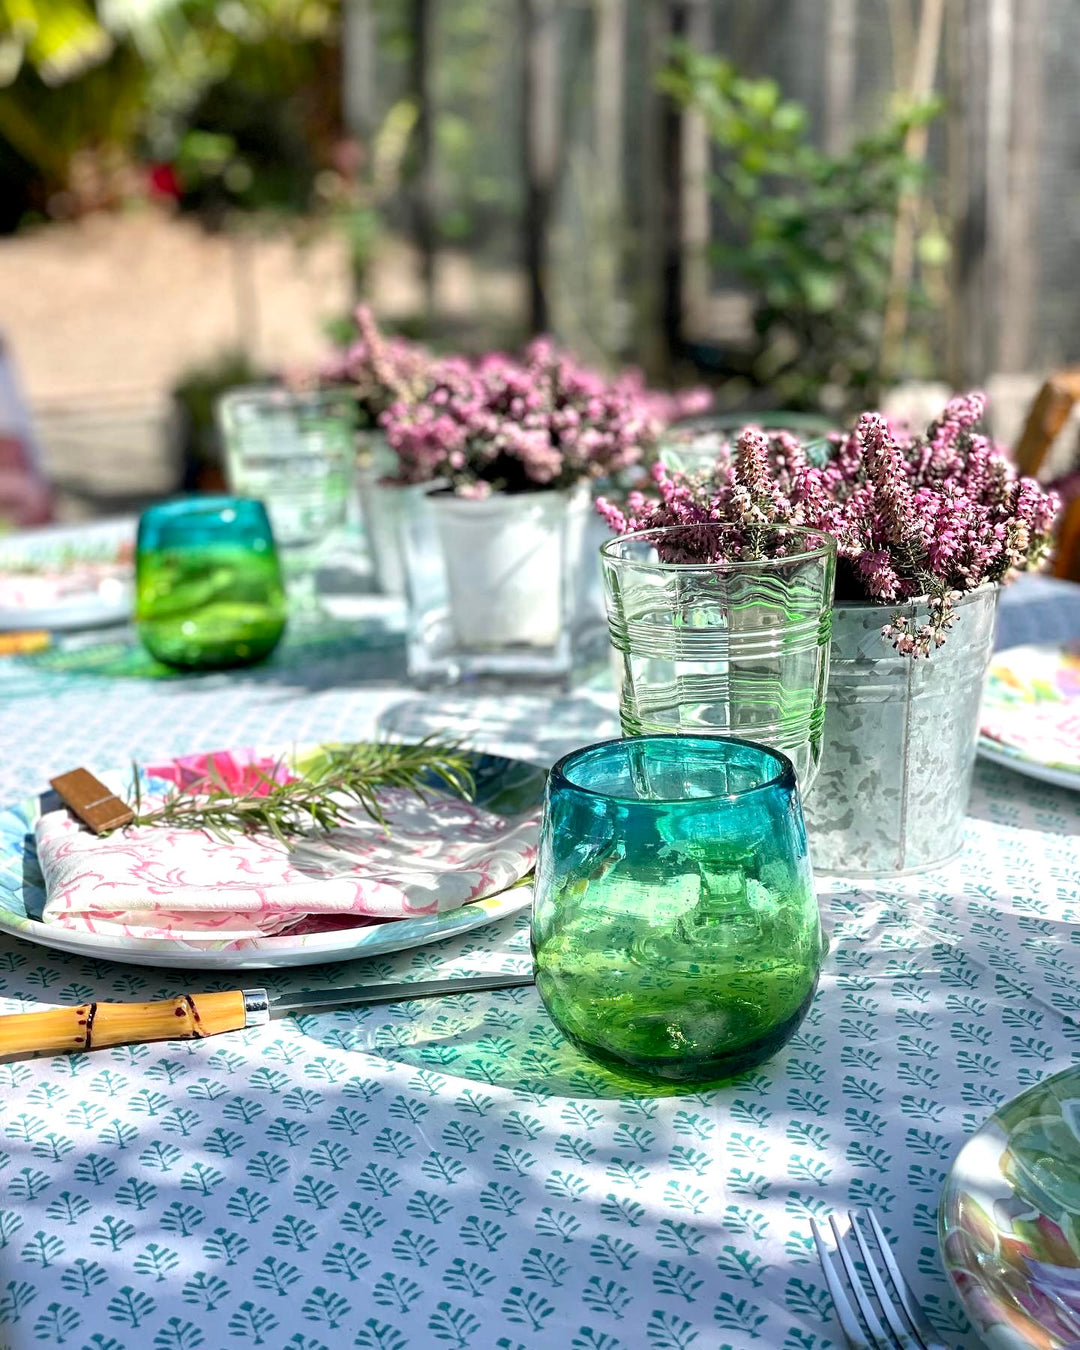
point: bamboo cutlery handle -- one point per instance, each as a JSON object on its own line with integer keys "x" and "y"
{"x": 92, "y": 1025}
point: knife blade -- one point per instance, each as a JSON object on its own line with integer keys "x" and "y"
{"x": 89, "y": 1026}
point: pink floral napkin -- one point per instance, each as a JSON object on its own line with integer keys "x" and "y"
{"x": 187, "y": 885}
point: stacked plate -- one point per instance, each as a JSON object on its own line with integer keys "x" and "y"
{"x": 508, "y": 795}
{"x": 1031, "y": 713}
{"x": 67, "y": 577}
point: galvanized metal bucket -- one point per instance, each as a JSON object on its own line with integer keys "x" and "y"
{"x": 899, "y": 744}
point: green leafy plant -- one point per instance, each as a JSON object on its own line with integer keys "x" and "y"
{"x": 810, "y": 233}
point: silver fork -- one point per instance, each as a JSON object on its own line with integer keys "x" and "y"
{"x": 863, "y": 1330}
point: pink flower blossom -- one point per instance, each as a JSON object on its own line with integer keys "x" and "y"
{"x": 234, "y": 771}
{"x": 543, "y": 421}
{"x": 936, "y": 515}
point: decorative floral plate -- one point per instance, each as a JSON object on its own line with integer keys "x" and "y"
{"x": 508, "y": 789}
{"x": 1031, "y": 712}
{"x": 67, "y": 577}
{"x": 1010, "y": 1220}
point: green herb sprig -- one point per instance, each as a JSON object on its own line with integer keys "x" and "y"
{"x": 345, "y": 776}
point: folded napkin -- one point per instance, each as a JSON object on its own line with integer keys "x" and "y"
{"x": 189, "y": 886}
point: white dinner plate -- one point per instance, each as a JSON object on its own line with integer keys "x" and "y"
{"x": 506, "y": 786}
{"x": 67, "y": 577}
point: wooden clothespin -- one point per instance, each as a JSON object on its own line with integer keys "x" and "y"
{"x": 89, "y": 798}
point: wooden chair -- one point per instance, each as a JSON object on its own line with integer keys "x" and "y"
{"x": 1044, "y": 424}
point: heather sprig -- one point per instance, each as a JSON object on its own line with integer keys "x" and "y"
{"x": 932, "y": 516}
{"x": 377, "y": 370}
{"x": 499, "y": 423}
{"x": 289, "y": 806}
{"x": 506, "y": 424}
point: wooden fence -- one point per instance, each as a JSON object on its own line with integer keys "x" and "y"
{"x": 1005, "y": 69}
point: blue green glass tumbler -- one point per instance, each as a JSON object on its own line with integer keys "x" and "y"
{"x": 208, "y": 590}
{"x": 675, "y": 927}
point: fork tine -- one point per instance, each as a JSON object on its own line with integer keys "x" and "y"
{"x": 849, "y": 1323}
{"x": 878, "y": 1335}
{"x": 908, "y": 1302}
{"x": 889, "y": 1310}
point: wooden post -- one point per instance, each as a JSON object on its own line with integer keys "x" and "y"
{"x": 694, "y": 209}
{"x": 609, "y": 76}
{"x": 902, "y": 37}
{"x": 1020, "y": 252}
{"x": 839, "y": 74}
{"x": 675, "y": 210}
{"x": 967, "y": 57}
{"x": 1000, "y": 88}
{"x": 923, "y": 78}
{"x": 672, "y": 202}
{"x": 540, "y": 132}
{"x": 358, "y": 66}
{"x": 610, "y": 73}
{"x": 423, "y": 186}
{"x": 651, "y": 348}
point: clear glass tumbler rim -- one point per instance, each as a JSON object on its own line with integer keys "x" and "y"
{"x": 783, "y": 777}
{"x": 823, "y": 546}
{"x": 270, "y": 397}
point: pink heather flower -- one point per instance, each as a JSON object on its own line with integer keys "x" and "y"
{"x": 936, "y": 515}
{"x": 543, "y": 421}
{"x": 377, "y": 370}
{"x": 888, "y": 471}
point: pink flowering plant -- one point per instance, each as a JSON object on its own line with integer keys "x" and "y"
{"x": 933, "y": 515}
{"x": 377, "y": 370}
{"x": 544, "y": 421}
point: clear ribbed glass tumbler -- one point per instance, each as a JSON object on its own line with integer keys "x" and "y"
{"x": 726, "y": 648}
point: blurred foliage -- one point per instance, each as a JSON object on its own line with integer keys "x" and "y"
{"x": 56, "y": 38}
{"x": 474, "y": 80}
{"x": 250, "y": 73}
{"x": 811, "y": 233}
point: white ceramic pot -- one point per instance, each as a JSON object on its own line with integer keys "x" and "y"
{"x": 383, "y": 507}
{"x": 507, "y": 567}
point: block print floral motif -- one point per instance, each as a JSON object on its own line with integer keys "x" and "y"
{"x": 451, "y": 1173}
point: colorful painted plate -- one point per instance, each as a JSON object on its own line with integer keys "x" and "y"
{"x": 506, "y": 786}
{"x": 67, "y": 577}
{"x": 1030, "y": 718}
{"x": 1010, "y": 759}
{"x": 1009, "y": 1220}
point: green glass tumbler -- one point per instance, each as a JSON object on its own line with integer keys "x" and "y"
{"x": 208, "y": 590}
{"x": 675, "y": 927}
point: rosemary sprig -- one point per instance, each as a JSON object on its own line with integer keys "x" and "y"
{"x": 320, "y": 800}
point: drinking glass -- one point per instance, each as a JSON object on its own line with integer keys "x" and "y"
{"x": 675, "y": 928}
{"x": 296, "y": 453}
{"x": 727, "y": 648}
{"x": 208, "y": 590}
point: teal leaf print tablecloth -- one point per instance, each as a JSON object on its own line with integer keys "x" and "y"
{"x": 452, "y": 1174}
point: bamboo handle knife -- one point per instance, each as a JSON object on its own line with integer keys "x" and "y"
{"x": 90, "y": 1026}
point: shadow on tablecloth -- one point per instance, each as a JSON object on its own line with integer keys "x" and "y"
{"x": 537, "y": 729}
